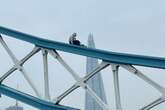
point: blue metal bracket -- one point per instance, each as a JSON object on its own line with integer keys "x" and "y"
{"x": 30, "y": 100}
{"x": 113, "y": 57}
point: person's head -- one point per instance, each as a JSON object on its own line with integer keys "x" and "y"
{"x": 74, "y": 36}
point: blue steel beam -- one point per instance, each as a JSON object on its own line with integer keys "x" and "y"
{"x": 30, "y": 100}
{"x": 113, "y": 57}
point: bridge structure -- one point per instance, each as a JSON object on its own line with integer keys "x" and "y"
{"x": 108, "y": 59}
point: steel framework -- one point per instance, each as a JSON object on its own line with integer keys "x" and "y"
{"x": 113, "y": 59}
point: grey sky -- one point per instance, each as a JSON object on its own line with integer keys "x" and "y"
{"x": 117, "y": 25}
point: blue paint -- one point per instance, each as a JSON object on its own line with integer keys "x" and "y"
{"x": 30, "y": 100}
{"x": 108, "y": 56}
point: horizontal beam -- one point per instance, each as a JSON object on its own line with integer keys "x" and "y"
{"x": 30, "y": 100}
{"x": 108, "y": 56}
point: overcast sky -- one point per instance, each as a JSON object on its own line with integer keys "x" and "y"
{"x": 127, "y": 26}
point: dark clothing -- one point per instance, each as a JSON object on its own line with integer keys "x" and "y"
{"x": 76, "y": 42}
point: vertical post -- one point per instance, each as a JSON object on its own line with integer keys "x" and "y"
{"x": 46, "y": 77}
{"x": 115, "y": 69}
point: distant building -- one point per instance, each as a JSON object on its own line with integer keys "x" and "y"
{"x": 15, "y": 107}
{"x": 96, "y": 83}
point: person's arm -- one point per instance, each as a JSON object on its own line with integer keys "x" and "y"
{"x": 71, "y": 39}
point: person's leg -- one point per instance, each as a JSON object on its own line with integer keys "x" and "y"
{"x": 76, "y": 42}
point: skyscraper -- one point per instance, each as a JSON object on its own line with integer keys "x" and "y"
{"x": 96, "y": 83}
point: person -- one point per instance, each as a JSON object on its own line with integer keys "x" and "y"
{"x": 73, "y": 40}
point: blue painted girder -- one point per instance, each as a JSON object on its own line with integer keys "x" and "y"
{"x": 30, "y": 100}
{"x": 108, "y": 56}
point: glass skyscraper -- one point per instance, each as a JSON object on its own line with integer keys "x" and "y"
{"x": 96, "y": 83}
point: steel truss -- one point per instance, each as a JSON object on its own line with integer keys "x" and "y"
{"x": 80, "y": 81}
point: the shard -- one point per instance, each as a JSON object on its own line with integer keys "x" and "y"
{"x": 96, "y": 83}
